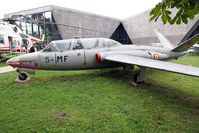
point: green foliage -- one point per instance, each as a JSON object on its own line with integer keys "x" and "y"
{"x": 7, "y": 56}
{"x": 187, "y": 9}
{"x": 100, "y": 101}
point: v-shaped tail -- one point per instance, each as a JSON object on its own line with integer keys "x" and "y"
{"x": 163, "y": 40}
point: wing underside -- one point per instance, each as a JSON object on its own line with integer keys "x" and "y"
{"x": 156, "y": 64}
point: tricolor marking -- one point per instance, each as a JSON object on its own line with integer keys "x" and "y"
{"x": 156, "y": 57}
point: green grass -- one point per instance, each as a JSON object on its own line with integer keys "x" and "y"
{"x": 100, "y": 101}
{"x": 2, "y": 64}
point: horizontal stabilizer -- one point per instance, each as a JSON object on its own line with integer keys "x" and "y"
{"x": 187, "y": 44}
{"x": 161, "y": 65}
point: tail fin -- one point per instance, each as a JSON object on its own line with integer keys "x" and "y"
{"x": 163, "y": 40}
{"x": 187, "y": 44}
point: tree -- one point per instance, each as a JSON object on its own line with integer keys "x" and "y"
{"x": 186, "y": 9}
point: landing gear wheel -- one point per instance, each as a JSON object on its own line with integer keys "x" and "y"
{"x": 23, "y": 76}
{"x": 140, "y": 76}
{"x": 135, "y": 77}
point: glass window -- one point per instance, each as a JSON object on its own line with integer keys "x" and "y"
{"x": 63, "y": 45}
{"x": 108, "y": 43}
{"x": 29, "y": 28}
{"x": 112, "y": 43}
{"x": 18, "y": 43}
{"x": 104, "y": 43}
{"x": 38, "y": 24}
{"x": 1, "y": 39}
{"x": 48, "y": 15}
{"x": 77, "y": 45}
{"x": 90, "y": 43}
{"x": 35, "y": 30}
{"x": 23, "y": 26}
{"x": 50, "y": 48}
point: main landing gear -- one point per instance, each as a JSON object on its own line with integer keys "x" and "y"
{"x": 140, "y": 76}
{"x": 22, "y": 76}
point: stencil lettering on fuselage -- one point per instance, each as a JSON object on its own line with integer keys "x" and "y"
{"x": 62, "y": 58}
{"x": 58, "y": 59}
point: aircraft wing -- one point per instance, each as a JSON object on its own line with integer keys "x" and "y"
{"x": 161, "y": 65}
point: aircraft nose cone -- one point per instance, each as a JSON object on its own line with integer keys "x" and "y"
{"x": 13, "y": 61}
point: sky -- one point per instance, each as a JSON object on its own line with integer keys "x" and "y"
{"x": 120, "y": 9}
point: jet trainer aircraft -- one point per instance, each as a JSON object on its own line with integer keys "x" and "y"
{"x": 94, "y": 53}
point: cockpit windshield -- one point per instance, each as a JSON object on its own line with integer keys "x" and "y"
{"x": 63, "y": 45}
{"x": 50, "y": 48}
{"x": 111, "y": 43}
{"x": 58, "y": 46}
{"x": 90, "y": 43}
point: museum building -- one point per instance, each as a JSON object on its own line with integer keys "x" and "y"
{"x": 63, "y": 23}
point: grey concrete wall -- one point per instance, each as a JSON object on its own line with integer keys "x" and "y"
{"x": 140, "y": 29}
{"x": 103, "y": 26}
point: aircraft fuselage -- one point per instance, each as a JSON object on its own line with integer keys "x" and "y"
{"x": 87, "y": 59}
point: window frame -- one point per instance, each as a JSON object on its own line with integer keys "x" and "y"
{"x": 52, "y": 43}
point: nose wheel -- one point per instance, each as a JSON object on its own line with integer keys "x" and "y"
{"x": 23, "y": 76}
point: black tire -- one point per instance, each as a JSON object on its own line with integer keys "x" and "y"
{"x": 135, "y": 78}
{"x": 23, "y": 76}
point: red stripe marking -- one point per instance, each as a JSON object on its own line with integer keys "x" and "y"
{"x": 189, "y": 43}
{"x": 4, "y": 47}
{"x": 35, "y": 40}
{"x": 15, "y": 50}
{"x": 22, "y": 65}
{"x": 5, "y": 50}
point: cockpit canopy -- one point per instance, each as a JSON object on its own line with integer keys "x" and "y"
{"x": 74, "y": 44}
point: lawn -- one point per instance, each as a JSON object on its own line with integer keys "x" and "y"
{"x": 3, "y": 64}
{"x": 100, "y": 101}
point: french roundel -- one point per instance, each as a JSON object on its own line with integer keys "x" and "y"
{"x": 156, "y": 56}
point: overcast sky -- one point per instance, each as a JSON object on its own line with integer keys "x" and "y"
{"x": 120, "y": 9}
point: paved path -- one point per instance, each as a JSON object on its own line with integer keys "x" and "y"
{"x": 6, "y": 69}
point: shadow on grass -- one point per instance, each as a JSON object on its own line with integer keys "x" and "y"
{"x": 166, "y": 94}
{"x": 170, "y": 94}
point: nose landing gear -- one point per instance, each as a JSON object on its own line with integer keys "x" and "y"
{"x": 22, "y": 76}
